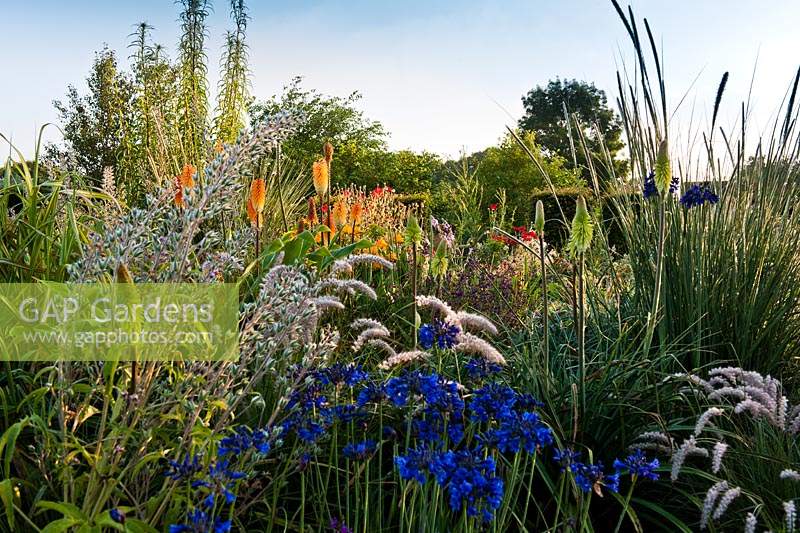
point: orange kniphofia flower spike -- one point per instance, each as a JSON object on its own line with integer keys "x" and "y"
{"x": 179, "y": 200}
{"x": 251, "y": 213}
{"x": 327, "y": 150}
{"x": 321, "y": 178}
{"x": 258, "y": 194}
{"x": 339, "y": 214}
{"x": 313, "y": 219}
{"x": 356, "y": 212}
{"x": 187, "y": 175}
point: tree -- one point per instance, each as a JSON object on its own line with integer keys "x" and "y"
{"x": 325, "y": 118}
{"x": 544, "y": 116}
{"x": 507, "y": 166}
{"x": 95, "y": 125}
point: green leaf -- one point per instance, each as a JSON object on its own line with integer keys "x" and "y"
{"x": 62, "y": 524}
{"x": 67, "y": 509}
{"x": 7, "y": 495}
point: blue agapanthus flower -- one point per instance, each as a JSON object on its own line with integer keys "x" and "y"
{"x": 117, "y": 516}
{"x": 244, "y": 439}
{"x": 592, "y": 477}
{"x": 698, "y": 195}
{"x": 339, "y": 526}
{"x": 481, "y": 368}
{"x": 349, "y": 374}
{"x": 360, "y": 451}
{"x": 200, "y": 521}
{"x": 650, "y": 190}
{"x": 470, "y": 481}
{"x": 519, "y": 431}
{"x": 414, "y": 464}
{"x": 440, "y": 333}
{"x": 638, "y": 465}
{"x": 565, "y": 458}
{"x": 492, "y": 402}
{"x": 185, "y": 469}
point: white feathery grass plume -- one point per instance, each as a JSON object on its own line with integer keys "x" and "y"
{"x": 703, "y": 419}
{"x": 474, "y": 321}
{"x": 655, "y": 436}
{"x": 790, "y": 475}
{"x": 436, "y": 304}
{"x": 783, "y": 408}
{"x": 794, "y": 427}
{"x": 716, "y": 456}
{"x": 402, "y": 358}
{"x": 688, "y": 448}
{"x": 369, "y": 334}
{"x": 468, "y": 343}
{"x": 725, "y": 502}
{"x": 711, "y": 499}
{"x": 363, "y": 323}
{"x": 109, "y": 185}
{"x": 652, "y": 446}
{"x": 750, "y": 523}
{"x": 382, "y": 344}
{"x": 325, "y": 303}
{"x": 341, "y": 266}
{"x": 723, "y": 392}
{"x": 361, "y": 259}
{"x": 790, "y": 514}
{"x": 755, "y": 409}
{"x": 350, "y": 286}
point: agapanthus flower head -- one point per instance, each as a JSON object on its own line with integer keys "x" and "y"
{"x": 481, "y": 368}
{"x": 199, "y": 520}
{"x": 360, "y": 451}
{"x": 698, "y": 195}
{"x": 441, "y": 333}
{"x": 592, "y": 477}
{"x": 244, "y": 439}
{"x": 564, "y": 458}
{"x": 649, "y": 188}
{"x": 637, "y": 464}
{"x": 117, "y": 516}
{"x": 181, "y": 470}
{"x": 349, "y": 374}
{"x": 337, "y": 525}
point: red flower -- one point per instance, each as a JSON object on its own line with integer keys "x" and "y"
{"x": 377, "y": 191}
{"x": 492, "y": 207}
{"x": 324, "y": 208}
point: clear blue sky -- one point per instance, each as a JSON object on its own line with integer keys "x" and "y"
{"x": 439, "y": 74}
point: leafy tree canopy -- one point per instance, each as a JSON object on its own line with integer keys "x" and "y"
{"x": 544, "y": 116}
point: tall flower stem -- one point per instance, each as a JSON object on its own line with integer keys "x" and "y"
{"x": 582, "y": 333}
{"x": 652, "y": 318}
{"x": 546, "y": 347}
{"x": 626, "y": 505}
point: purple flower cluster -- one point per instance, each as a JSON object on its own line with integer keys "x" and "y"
{"x": 698, "y": 195}
{"x": 650, "y": 190}
{"x": 441, "y": 333}
{"x": 593, "y": 476}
